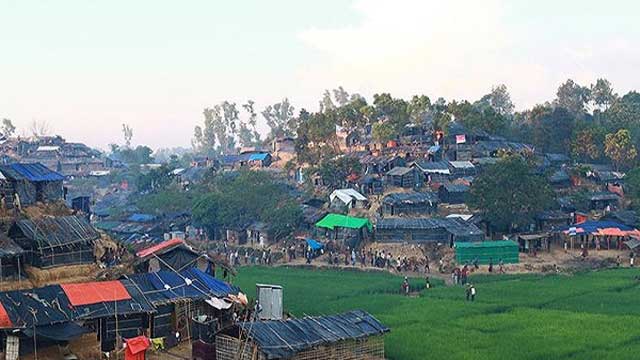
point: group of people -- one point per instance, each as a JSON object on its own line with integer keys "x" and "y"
{"x": 113, "y": 256}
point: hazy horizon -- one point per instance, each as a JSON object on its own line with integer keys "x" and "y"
{"x": 87, "y": 67}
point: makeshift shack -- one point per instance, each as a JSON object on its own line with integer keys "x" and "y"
{"x": 534, "y": 242}
{"x": 486, "y": 252}
{"x": 180, "y": 297}
{"x": 603, "y": 200}
{"x": 347, "y": 199}
{"x": 444, "y": 231}
{"x": 413, "y": 203}
{"x": 404, "y": 177}
{"x": 31, "y": 183}
{"x": 450, "y": 193}
{"x": 56, "y": 241}
{"x": 347, "y": 229}
{"x": 172, "y": 255}
{"x": 355, "y": 335}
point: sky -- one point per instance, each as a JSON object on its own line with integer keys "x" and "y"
{"x": 85, "y": 67}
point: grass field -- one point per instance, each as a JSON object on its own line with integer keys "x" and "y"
{"x": 586, "y": 316}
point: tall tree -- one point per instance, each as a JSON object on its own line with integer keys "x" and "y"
{"x": 602, "y": 94}
{"x": 573, "y": 97}
{"x": 499, "y": 100}
{"x": 280, "y": 120}
{"x": 341, "y": 96}
{"x": 587, "y": 143}
{"x": 514, "y": 209}
{"x": 419, "y": 108}
{"x": 619, "y": 148}
{"x": 624, "y": 113}
{"x": 7, "y": 129}
{"x": 127, "y": 133}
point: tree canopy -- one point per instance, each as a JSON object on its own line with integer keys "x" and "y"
{"x": 509, "y": 194}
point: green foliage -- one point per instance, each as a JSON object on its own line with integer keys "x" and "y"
{"x": 335, "y": 171}
{"x": 235, "y": 200}
{"x": 619, "y": 148}
{"x": 590, "y": 315}
{"x": 573, "y": 97}
{"x": 516, "y": 207}
{"x": 155, "y": 179}
{"x": 624, "y": 113}
{"x": 138, "y": 156}
{"x": 395, "y": 111}
{"x": 316, "y": 137}
{"x": 170, "y": 200}
{"x": 587, "y": 143}
{"x": 383, "y": 132}
{"x": 632, "y": 186}
{"x": 279, "y": 118}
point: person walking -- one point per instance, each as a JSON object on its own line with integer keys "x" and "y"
{"x": 472, "y": 290}
{"x": 490, "y": 265}
{"x": 467, "y": 291}
{"x": 632, "y": 258}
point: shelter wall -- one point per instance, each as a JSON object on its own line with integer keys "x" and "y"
{"x": 412, "y": 235}
{"x": 370, "y": 348}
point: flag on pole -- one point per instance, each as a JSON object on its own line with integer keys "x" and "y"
{"x": 461, "y": 139}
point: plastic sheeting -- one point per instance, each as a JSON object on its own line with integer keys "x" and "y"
{"x": 282, "y": 339}
{"x": 95, "y": 292}
{"x": 58, "y": 332}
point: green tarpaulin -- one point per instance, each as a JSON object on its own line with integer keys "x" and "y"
{"x": 487, "y": 251}
{"x": 331, "y": 221}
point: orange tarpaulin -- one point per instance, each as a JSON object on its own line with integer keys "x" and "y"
{"x": 611, "y": 232}
{"x": 5, "y": 321}
{"x": 155, "y": 248}
{"x": 95, "y": 292}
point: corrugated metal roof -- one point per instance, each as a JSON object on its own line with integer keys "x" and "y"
{"x": 32, "y": 172}
{"x": 399, "y": 171}
{"x": 347, "y": 195}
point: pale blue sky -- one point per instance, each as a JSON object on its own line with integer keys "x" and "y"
{"x": 88, "y": 66}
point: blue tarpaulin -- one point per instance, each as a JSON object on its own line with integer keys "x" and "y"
{"x": 166, "y": 286}
{"x": 314, "y": 244}
{"x": 141, "y": 217}
{"x": 58, "y": 332}
{"x": 258, "y": 157}
{"x": 32, "y": 172}
{"x": 592, "y": 226}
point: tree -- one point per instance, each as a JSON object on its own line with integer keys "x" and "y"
{"x": 624, "y": 113}
{"x": 619, "y": 148}
{"x": 418, "y": 109}
{"x": 392, "y": 110}
{"x": 383, "y": 132}
{"x": 350, "y": 115}
{"x": 586, "y": 144}
{"x": 40, "y": 128}
{"x": 514, "y": 209}
{"x": 127, "y": 133}
{"x": 316, "y": 137}
{"x": 283, "y": 219}
{"x": 279, "y": 117}
{"x": 335, "y": 171}
{"x": 551, "y": 128}
{"x": 499, "y": 100}
{"x": 341, "y": 96}
{"x": 326, "y": 103}
{"x": 602, "y": 94}
{"x": 247, "y": 133}
{"x": 7, "y": 129}
{"x": 632, "y": 187}
{"x": 573, "y": 97}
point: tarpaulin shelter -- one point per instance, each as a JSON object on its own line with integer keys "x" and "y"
{"x": 486, "y": 251}
{"x": 63, "y": 240}
{"x": 31, "y": 182}
{"x": 350, "y": 230}
{"x": 352, "y": 335}
{"x": 438, "y": 230}
{"x": 172, "y": 295}
{"x": 58, "y": 332}
{"x": 412, "y": 203}
{"x": 171, "y": 255}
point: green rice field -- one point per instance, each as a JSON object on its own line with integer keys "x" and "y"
{"x": 592, "y": 315}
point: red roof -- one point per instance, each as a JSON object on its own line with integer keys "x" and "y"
{"x": 5, "y": 321}
{"x": 95, "y": 292}
{"x": 161, "y": 246}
